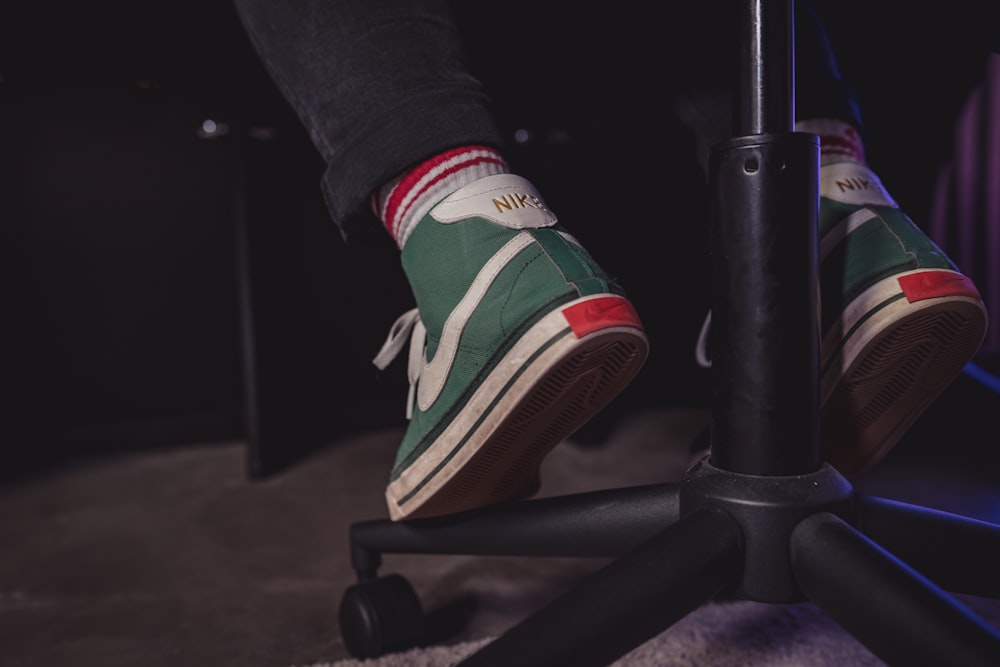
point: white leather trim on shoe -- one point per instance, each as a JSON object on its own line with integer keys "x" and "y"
{"x": 434, "y": 373}
{"x": 846, "y": 339}
{"x": 842, "y": 229}
{"x": 486, "y": 409}
{"x": 853, "y": 183}
{"x": 503, "y": 199}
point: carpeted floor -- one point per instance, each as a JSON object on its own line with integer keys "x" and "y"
{"x": 173, "y": 558}
{"x": 723, "y": 634}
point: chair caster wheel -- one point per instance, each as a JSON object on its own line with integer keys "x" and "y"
{"x": 380, "y": 616}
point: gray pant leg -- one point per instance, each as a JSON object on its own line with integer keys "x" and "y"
{"x": 380, "y": 85}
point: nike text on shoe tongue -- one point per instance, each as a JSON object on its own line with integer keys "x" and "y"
{"x": 504, "y": 199}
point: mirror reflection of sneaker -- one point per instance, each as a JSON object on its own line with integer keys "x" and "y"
{"x": 899, "y": 321}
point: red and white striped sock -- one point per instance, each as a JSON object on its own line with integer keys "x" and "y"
{"x": 403, "y": 202}
{"x": 838, "y": 141}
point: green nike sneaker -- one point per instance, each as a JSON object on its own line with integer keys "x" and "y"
{"x": 518, "y": 338}
{"x": 899, "y": 321}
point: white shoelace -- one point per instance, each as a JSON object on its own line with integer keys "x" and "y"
{"x": 407, "y": 325}
{"x": 701, "y": 347}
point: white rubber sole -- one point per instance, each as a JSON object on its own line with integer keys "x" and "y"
{"x": 887, "y": 358}
{"x": 551, "y": 382}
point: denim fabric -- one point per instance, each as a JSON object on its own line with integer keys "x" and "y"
{"x": 380, "y": 85}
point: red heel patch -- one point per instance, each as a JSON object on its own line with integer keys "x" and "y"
{"x": 595, "y": 314}
{"x": 932, "y": 284}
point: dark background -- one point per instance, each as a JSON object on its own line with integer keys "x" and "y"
{"x": 162, "y": 285}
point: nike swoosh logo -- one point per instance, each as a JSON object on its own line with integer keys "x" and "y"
{"x": 434, "y": 373}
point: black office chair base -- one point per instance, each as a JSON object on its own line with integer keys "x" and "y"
{"x": 762, "y": 519}
{"x": 678, "y": 546}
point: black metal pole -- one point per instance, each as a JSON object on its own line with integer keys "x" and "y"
{"x": 766, "y": 99}
{"x": 764, "y": 217}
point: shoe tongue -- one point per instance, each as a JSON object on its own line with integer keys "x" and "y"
{"x": 503, "y": 199}
{"x": 853, "y": 183}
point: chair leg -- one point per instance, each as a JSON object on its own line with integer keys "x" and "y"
{"x": 593, "y": 524}
{"x": 629, "y": 601}
{"x": 958, "y": 553}
{"x": 897, "y": 613}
